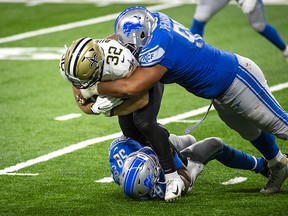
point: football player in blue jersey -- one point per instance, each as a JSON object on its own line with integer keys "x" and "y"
{"x": 168, "y": 52}
{"x": 254, "y": 10}
{"x": 137, "y": 170}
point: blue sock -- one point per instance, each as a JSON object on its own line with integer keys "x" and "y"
{"x": 234, "y": 158}
{"x": 197, "y": 27}
{"x": 267, "y": 145}
{"x": 272, "y": 35}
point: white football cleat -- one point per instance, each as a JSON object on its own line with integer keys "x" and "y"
{"x": 174, "y": 186}
{"x": 194, "y": 169}
{"x": 285, "y": 53}
{"x": 278, "y": 174}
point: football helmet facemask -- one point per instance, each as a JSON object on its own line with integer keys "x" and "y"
{"x": 82, "y": 63}
{"x": 140, "y": 174}
{"x": 133, "y": 28}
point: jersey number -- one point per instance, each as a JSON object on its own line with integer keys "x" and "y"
{"x": 120, "y": 157}
{"x": 114, "y": 54}
{"x": 184, "y": 32}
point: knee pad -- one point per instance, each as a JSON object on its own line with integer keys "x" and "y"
{"x": 258, "y": 26}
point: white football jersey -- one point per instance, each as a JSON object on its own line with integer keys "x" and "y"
{"x": 118, "y": 60}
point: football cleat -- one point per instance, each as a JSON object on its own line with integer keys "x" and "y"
{"x": 285, "y": 53}
{"x": 194, "y": 169}
{"x": 174, "y": 188}
{"x": 277, "y": 176}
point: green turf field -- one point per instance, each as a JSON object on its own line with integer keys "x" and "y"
{"x": 45, "y": 179}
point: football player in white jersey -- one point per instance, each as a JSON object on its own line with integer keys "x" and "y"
{"x": 87, "y": 61}
{"x": 254, "y": 10}
{"x": 85, "y": 67}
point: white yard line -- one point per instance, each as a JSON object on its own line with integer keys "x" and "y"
{"x": 68, "y": 117}
{"x": 235, "y": 180}
{"x": 76, "y": 24}
{"x": 93, "y": 141}
{"x": 166, "y": 4}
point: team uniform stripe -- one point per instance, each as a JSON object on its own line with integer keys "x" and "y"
{"x": 74, "y": 58}
{"x": 253, "y": 84}
{"x": 132, "y": 173}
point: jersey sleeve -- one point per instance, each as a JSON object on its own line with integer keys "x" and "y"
{"x": 154, "y": 51}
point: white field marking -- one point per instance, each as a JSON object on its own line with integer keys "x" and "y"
{"x": 20, "y": 174}
{"x": 86, "y": 143}
{"x": 68, "y": 117}
{"x": 76, "y": 24}
{"x": 235, "y": 180}
{"x": 105, "y": 180}
{"x": 31, "y": 53}
{"x": 279, "y": 87}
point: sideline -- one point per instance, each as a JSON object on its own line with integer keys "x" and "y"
{"x": 93, "y": 141}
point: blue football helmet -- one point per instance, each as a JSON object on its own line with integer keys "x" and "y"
{"x": 133, "y": 28}
{"x": 140, "y": 173}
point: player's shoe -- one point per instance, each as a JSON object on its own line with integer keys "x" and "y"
{"x": 174, "y": 188}
{"x": 194, "y": 169}
{"x": 278, "y": 174}
{"x": 285, "y": 53}
{"x": 266, "y": 170}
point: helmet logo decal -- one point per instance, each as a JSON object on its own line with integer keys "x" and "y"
{"x": 148, "y": 181}
{"x": 93, "y": 60}
{"x": 133, "y": 24}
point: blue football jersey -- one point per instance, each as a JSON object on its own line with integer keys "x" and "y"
{"x": 194, "y": 64}
{"x": 120, "y": 149}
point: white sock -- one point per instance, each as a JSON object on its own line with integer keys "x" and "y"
{"x": 276, "y": 159}
{"x": 285, "y": 52}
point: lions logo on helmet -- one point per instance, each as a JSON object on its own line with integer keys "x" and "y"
{"x": 133, "y": 27}
{"x": 82, "y": 63}
{"x": 140, "y": 174}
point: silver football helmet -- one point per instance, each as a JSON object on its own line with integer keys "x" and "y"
{"x": 133, "y": 28}
{"x": 140, "y": 173}
{"x": 82, "y": 63}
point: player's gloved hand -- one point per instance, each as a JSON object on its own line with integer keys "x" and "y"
{"x": 247, "y": 6}
{"x": 90, "y": 91}
{"x": 105, "y": 105}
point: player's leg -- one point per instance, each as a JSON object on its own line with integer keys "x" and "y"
{"x": 158, "y": 137}
{"x": 258, "y": 22}
{"x": 249, "y": 108}
{"x": 130, "y": 130}
{"x": 205, "y": 9}
{"x": 214, "y": 148}
{"x": 182, "y": 142}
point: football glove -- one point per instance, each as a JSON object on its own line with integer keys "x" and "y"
{"x": 247, "y": 6}
{"x": 90, "y": 91}
{"x": 105, "y": 105}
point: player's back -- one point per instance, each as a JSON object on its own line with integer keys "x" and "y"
{"x": 118, "y": 152}
{"x": 194, "y": 64}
